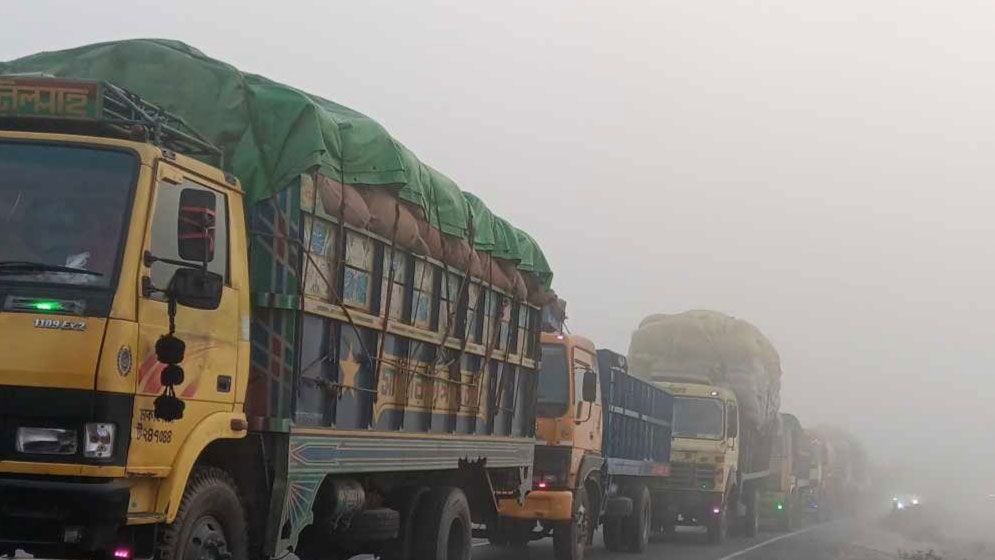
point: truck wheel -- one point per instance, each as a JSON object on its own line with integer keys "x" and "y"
{"x": 718, "y": 525}
{"x": 375, "y": 524}
{"x": 406, "y": 502}
{"x": 751, "y": 523}
{"x": 791, "y": 512}
{"x": 636, "y": 527}
{"x": 442, "y": 526}
{"x": 570, "y": 537}
{"x": 210, "y": 523}
{"x": 611, "y": 532}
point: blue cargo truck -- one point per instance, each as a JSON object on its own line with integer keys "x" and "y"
{"x": 636, "y": 445}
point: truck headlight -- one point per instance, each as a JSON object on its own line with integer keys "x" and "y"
{"x": 99, "y": 440}
{"x": 46, "y": 441}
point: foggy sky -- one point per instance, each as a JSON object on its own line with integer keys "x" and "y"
{"x": 822, "y": 169}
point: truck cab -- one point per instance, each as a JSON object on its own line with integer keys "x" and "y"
{"x": 704, "y": 482}
{"x": 566, "y": 492}
{"x": 98, "y": 221}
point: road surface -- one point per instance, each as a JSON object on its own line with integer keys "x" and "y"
{"x": 841, "y": 540}
{"x": 848, "y": 539}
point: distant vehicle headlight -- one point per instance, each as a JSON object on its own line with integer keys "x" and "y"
{"x": 915, "y": 501}
{"x": 900, "y": 505}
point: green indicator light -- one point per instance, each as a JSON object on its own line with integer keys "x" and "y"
{"x": 47, "y": 305}
{"x": 780, "y": 506}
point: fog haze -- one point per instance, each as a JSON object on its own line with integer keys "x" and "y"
{"x": 821, "y": 169}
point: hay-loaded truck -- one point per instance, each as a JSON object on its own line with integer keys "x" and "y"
{"x": 845, "y": 482}
{"x": 280, "y": 333}
{"x": 602, "y": 453}
{"x": 725, "y": 378}
{"x": 790, "y": 492}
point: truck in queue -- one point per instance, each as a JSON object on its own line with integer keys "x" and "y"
{"x": 725, "y": 378}
{"x": 788, "y": 497}
{"x": 845, "y": 480}
{"x": 602, "y": 453}
{"x": 241, "y": 321}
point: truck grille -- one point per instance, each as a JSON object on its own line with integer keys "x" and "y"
{"x": 691, "y": 476}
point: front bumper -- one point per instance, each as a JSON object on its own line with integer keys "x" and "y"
{"x": 689, "y": 507}
{"x": 551, "y": 505}
{"x": 45, "y": 516}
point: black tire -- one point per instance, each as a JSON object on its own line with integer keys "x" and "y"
{"x": 791, "y": 513}
{"x": 751, "y": 523}
{"x": 718, "y": 525}
{"x": 376, "y": 524}
{"x": 611, "y": 532}
{"x": 210, "y": 522}
{"x": 636, "y": 527}
{"x": 405, "y": 501}
{"x": 668, "y": 530}
{"x": 442, "y": 526}
{"x": 570, "y": 538}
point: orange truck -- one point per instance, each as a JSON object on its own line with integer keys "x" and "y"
{"x": 602, "y": 454}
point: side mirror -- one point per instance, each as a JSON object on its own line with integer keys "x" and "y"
{"x": 590, "y": 390}
{"x": 195, "y": 225}
{"x": 199, "y": 289}
{"x": 732, "y": 425}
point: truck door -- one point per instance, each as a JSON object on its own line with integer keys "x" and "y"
{"x": 211, "y": 336}
{"x": 587, "y": 434}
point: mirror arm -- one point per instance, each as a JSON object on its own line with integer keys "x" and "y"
{"x": 148, "y": 259}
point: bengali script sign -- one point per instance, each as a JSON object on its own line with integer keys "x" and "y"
{"x": 49, "y": 97}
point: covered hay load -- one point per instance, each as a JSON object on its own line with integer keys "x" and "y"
{"x": 709, "y": 347}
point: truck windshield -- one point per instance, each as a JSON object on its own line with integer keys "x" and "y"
{"x": 554, "y": 389}
{"x": 698, "y": 418}
{"x": 62, "y": 212}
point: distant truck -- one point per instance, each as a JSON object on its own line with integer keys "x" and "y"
{"x": 790, "y": 493}
{"x": 602, "y": 454}
{"x": 725, "y": 378}
{"x": 250, "y": 340}
{"x": 845, "y": 472}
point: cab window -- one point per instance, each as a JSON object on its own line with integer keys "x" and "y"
{"x": 732, "y": 420}
{"x": 554, "y": 389}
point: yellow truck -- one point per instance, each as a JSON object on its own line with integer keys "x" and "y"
{"x": 308, "y": 354}
{"x": 602, "y": 454}
{"x": 725, "y": 378}
{"x": 789, "y": 493}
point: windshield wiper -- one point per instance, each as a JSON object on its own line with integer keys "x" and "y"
{"x": 28, "y": 267}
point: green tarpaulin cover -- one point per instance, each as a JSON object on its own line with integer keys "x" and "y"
{"x": 271, "y": 133}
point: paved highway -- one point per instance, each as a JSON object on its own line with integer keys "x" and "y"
{"x": 849, "y": 539}
{"x": 841, "y": 540}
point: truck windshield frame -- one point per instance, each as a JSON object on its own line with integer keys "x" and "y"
{"x": 683, "y": 428}
{"x": 64, "y": 205}
{"x": 553, "y": 388}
